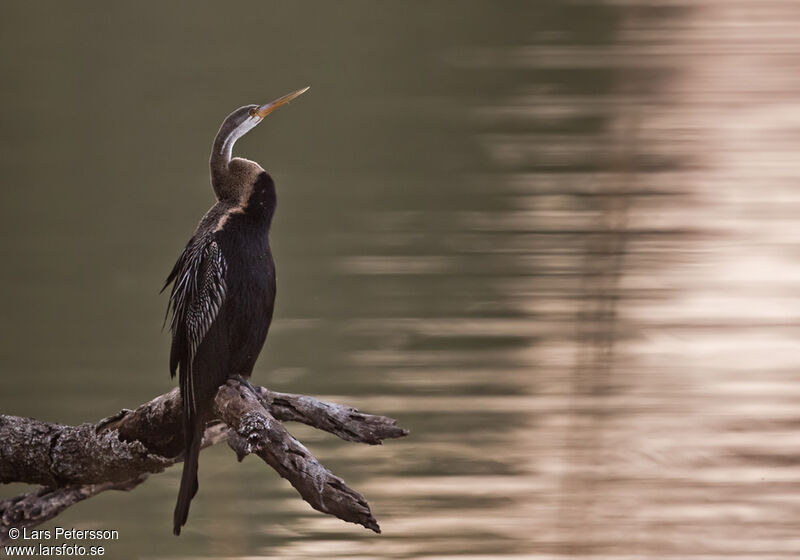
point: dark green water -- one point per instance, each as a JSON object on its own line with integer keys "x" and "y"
{"x": 556, "y": 240}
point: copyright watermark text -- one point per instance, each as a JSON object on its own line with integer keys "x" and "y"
{"x": 59, "y": 541}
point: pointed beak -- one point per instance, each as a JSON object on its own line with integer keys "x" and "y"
{"x": 265, "y": 110}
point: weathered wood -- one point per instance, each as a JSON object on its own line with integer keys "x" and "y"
{"x": 257, "y": 431}
{"x": 55, "y": 455}
{"x": 74, "y": 463}
{"x": 343, "y": 421}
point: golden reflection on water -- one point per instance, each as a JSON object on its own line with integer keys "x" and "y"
{"x": 650, "y": 367}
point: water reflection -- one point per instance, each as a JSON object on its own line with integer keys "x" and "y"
{"x": 622, "y": 384}
{"x": 574, "y": 282}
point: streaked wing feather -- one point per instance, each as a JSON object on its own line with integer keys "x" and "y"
{"x": 198, "y": 292}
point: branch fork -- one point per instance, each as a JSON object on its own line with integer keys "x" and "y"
{"x": 73, "y": 463}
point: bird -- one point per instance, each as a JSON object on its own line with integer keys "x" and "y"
{"x": 223, "y": 288}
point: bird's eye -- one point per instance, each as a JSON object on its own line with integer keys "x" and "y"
{"x": 253, "y": 113}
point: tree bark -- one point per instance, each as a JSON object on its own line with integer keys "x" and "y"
{"x": 74, "y": 463}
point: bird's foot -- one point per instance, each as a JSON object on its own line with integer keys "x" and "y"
{"x": 249, "y": 385}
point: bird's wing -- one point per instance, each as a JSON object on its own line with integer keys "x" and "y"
{"x": 198, "y": 291}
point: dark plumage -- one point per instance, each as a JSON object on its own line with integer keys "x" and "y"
{"x": 223, "y": 288}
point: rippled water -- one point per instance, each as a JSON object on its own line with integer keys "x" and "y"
{"x": 556, "y": 240}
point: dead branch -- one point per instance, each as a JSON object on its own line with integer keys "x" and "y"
{"x": 258, "y": 432}
{"x": 74, "y": 463}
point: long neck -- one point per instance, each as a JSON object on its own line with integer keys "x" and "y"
{"x": 221, "y": 158}
{"x": 222, "y": 151}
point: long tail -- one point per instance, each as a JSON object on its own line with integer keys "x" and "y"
{"x": 194, "y": 435}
